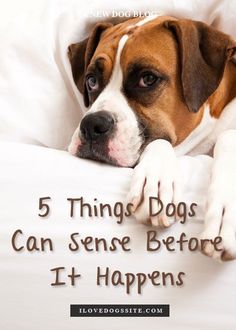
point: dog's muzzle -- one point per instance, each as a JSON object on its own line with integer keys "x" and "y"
{"x": 95, "y": 134}
{"x": 104, "y": 136}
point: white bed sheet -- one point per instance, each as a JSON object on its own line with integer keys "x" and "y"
{"x": 205, "y": 301}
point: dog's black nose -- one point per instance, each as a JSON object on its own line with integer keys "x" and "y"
{"x": 96, "y": 125}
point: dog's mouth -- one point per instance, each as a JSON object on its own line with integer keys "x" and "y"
{"x": 111, "y": 151}
{"x": 114, "y": 150}
{"x": 96, "y": 151}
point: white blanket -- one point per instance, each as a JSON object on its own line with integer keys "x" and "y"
{"x": 28, "y": 300}
{"x": 40, "y": 105}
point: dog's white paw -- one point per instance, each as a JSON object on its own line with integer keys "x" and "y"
{"x": 220, "y": 219}
{"x": 156, "y": 175}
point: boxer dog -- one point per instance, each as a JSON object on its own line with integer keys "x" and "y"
{"x": 158, "y": 87}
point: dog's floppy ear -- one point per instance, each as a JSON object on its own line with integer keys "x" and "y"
{"x": 80, "y": 54}
{"x": 204, "y": 52}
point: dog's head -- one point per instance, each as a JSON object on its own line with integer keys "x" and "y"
{"x": 142, "y": 80}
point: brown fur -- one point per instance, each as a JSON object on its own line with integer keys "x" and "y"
{"x": 226, "y": 91}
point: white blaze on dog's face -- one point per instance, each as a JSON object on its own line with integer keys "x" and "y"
{"x": 140, "y": 87}
{"x": 122, "y": 142}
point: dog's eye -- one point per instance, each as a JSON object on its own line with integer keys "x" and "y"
{"x": 92, "y": 83}
{"x": 147, "y": 80}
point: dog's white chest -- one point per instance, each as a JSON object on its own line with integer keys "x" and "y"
{"x": 204, "y": 137}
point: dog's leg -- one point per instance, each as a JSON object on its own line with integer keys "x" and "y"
{"x": 220, "y": 219}
{"x": 156, "y": 175}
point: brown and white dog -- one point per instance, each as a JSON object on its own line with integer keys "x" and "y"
{"x": 159, "y": 87}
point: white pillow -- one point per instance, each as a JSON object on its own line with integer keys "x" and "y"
{"x": 39, "y": 103}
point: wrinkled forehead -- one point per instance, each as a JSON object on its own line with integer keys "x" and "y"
{"x": 148, "y": 41}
